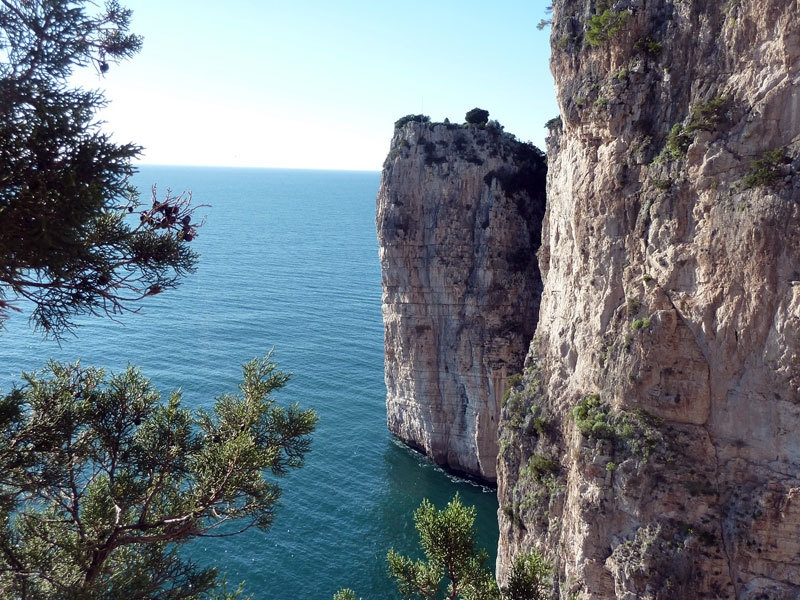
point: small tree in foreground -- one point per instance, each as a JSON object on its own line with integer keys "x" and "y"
{"x": 454, "y": 568}
{"x": 530, "y": 578}
{"x": 100, "y": 480}
{"x": 452, "y": 559}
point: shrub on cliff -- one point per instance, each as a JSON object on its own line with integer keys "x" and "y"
{"x": 477, "y": 116}
{"x": 767, "y": 169}
{"x": 605, "y": 24}
{"x": 411, "y": 119}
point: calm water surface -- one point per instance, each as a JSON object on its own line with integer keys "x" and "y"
{"x": 289, "y": 259}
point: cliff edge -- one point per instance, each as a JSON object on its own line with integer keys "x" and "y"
{"x": 459, "y": 215}
{"x": 651, "y": 448}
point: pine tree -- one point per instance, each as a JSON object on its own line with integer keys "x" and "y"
{"x": 74, "y": 238}
{"x": 452, "y": 558}
{"x": 100, "y": 481}
{"x": 454, "y": 568}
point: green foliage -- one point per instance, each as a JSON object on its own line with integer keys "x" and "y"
{"x": 102, "y": 480}
{"x": 540, "y": 425}
{"x": 592, "y": 418}
{"x": 477, "y": 116}
{"x": 514, "y": 380}
{"x": 539, "y": 466}
{"x": 604, "y": 25}
{"x": 678, "y": 141}
{"x": 601, "y": 102}
{"x": 767, "y": 169}
{"x": 707, "y": 116}
{"x": 648, "y": 45}
{"x": 642, "y": 323}
{"x": 555, "y": 123}
{"x": 453, "y": 566}
{"x": 621, "y": 74}
{"x": 494, "y": 127}
{"x": 530, "y": 578}
{"x": 636, "y": 432}
{"x": 411, "y": 119}
{"x": 662, "y": 184}
{"x": 517, "y": 403}
{"x": 68, "y": 243}
{"x": 545, "y": 22}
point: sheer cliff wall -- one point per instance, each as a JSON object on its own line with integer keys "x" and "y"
{"x": 652, "y": 448}
{"x": 459, "y": 215}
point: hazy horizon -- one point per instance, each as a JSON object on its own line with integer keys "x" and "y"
{"x": 313, "y": 85}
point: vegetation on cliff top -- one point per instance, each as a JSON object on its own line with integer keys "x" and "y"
{"x": 411, "y": 119}
{"x": 605, "y": 24}
{"x": 477, "y": 116}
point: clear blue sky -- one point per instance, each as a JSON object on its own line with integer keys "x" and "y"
{"x": 319, "y": 84}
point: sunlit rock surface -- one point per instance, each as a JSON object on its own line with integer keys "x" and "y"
{"x": 652, "y": 449}
{"x": 459, "y": 221}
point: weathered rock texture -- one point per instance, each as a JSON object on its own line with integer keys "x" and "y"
{"x": 459, "y": 216}
{"x": 653, "y": 448}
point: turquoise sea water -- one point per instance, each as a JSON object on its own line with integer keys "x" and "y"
{"x": 290, "y": 261}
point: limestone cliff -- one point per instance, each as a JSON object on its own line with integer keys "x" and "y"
{"x": 459, "y": 215}
{"x": 652, "y": 448}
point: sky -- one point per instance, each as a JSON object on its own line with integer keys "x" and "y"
{"x": 319, "y": 84}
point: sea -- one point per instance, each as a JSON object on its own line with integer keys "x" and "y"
{"x": 289, "y": 264}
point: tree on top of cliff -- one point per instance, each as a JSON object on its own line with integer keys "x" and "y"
{"x": 101, "y": 481}
{"x": 73, "y": 237}
{"x": 411, "y": 119}
{"x": 477, "y": 116}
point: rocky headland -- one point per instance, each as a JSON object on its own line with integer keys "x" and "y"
{"x": 649, "y": 446}
{"x": 459, "y": 216}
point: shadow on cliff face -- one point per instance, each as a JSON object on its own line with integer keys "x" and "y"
{"x": 459, "y": 220}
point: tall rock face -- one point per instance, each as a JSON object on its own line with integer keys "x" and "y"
{"x": 652, "y": 448}
{"x": 459, "y": 215}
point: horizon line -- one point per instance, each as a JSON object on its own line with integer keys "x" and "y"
{"x": 196, "y": 166}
